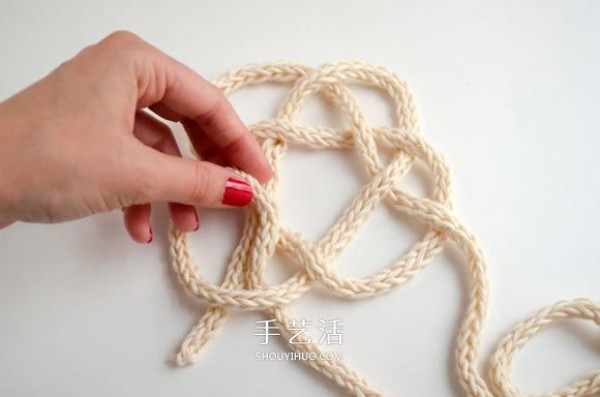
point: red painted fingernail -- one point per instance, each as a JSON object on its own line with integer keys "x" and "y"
{"x": 237, "y": 192}
{"x": 197, "y": 221}
{"x": 151, "y": 237}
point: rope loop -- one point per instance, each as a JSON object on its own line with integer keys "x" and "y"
{"x": 244, "y": 287}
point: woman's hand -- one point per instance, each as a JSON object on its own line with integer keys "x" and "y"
{"x": 79, "y": 141}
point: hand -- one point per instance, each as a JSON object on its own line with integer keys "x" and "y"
{"x": 80, "y": 141}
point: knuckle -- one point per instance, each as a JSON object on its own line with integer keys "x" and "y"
{"x": 86, "y": 50}
{"x": 122, "y": 38}
{"x": 201, "y": 184}
{"x": 123, "y": 44}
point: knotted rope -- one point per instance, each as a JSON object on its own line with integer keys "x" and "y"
{"x": 244, "y": 286}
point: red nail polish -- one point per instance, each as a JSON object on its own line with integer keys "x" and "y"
{"x": 237, "y": 193}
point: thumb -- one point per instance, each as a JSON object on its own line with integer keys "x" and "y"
{"x": 193, "y": 182}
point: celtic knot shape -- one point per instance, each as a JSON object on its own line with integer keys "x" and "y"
{"x": 244, "y": 287}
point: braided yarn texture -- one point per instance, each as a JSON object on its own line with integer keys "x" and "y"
{"x": 244, "y": 288}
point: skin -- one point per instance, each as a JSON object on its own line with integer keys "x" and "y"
{"x": 85, "y": 139}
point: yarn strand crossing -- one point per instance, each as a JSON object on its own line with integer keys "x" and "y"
{"x": 244, "y": 287}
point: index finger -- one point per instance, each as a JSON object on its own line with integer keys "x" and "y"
{"x": 164, "y": 81}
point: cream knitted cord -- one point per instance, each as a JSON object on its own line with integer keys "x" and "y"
{"x": 244, "y": 287}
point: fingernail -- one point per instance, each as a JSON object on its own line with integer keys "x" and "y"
{"x": 197, "y": 222}
{"x": 151, "y": 237}
{"x": 237, "y": 193}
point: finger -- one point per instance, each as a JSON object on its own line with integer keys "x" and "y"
{"x": 184, "y": 217}
{"x": 158, "y": 135}
{"x": 155, "y": 134}
{"x": 206, "y": 148}
{"x": 202, "y": 144}
{"x": 137, "y": 223}
{"x": 4, "y": 224}
{"x": 192, "y": 182}
{"x": 163, "y": 80}
{"x": 165, "y": 112}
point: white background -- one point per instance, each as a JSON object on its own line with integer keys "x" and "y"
{"x": 509, "y": 93}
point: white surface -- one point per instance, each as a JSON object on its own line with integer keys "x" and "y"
{"x": 509, "y": 94}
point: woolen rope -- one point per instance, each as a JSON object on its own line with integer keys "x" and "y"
{"x": 244, "y": 286}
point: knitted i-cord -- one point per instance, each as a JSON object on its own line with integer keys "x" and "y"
{"x": 243, "y": 286}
